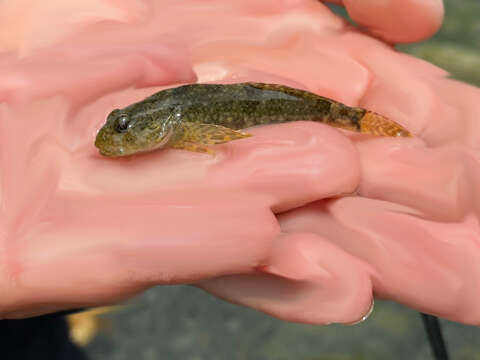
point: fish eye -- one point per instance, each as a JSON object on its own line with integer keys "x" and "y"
{"x": 122, "y": 122}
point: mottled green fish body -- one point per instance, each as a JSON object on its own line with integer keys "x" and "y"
{"x": 193, "y": 116}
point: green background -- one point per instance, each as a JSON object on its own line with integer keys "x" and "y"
{"x": 456, "y": 47}
{"x": 184, "y": 323}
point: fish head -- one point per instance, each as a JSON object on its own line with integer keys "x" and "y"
{"x": 128, "y": 132}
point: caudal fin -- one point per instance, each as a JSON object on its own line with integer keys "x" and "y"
{"x": 376, "y": 124}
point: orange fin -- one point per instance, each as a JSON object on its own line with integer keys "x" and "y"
{"x": 375, "y": 124}
{"x": 210, "y": 134}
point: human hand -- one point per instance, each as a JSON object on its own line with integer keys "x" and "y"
{"x": 83, "y": 231}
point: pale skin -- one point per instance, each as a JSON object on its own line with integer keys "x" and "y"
{"x": 80, "y": 230}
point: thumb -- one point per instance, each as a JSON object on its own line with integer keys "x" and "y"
{"x": 397, "y": 21}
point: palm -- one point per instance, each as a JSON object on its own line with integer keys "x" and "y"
{"x": 80, "y": 230}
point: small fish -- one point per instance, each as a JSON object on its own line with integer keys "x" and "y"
{"x": 192, "y": 117}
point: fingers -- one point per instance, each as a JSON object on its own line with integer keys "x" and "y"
{"x": 84, "y": 251}
{"x": 292, "y": 164}
{"x": 397, "y": 21}
{"x": 52, "y": 23}
{"x": 422, "y": 231}
{"x": 455, "y": 115}
{"x": 430, "y": 266}
{"x": 433, "y": 181}
{"x": 434, "y": 234}
{"x": 68, "y": 70}
{"x": 307, "y": 279}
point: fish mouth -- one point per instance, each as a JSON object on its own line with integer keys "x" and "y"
{"x": 117, "y": 148}
{"x": 107, "y": 153}
{"x": 114, "y": 153}
{"x": 104, "y": 147}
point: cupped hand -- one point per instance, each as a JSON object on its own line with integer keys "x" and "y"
{"x": 81, "y": 230}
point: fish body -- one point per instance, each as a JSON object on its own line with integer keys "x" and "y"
{"x": 191, "y": 117}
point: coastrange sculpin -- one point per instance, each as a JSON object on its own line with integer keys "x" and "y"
{"x": 192, "y": 117}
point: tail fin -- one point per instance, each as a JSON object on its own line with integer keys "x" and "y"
{"x": 376, "y": 124}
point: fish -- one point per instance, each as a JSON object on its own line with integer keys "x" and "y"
{"x": 193, "y": 117}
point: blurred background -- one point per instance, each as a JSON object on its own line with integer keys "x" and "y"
{"x": 456, "y": 47}
{"x": 185, "y": 323}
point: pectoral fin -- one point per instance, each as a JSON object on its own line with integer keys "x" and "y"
{"x": 209, "y": 134}
{"x": 189, "y": 146}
